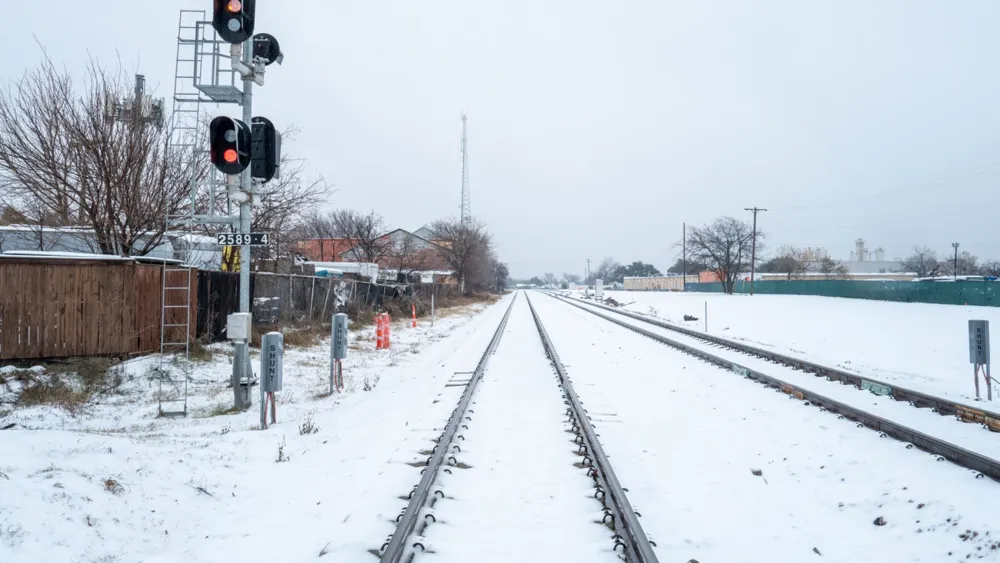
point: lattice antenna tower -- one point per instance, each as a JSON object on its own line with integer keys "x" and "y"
{"x": 466, "y": 197}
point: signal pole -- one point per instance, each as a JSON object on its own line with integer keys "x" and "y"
{"x": 753, "y": 245}
{"x": 246, "y": 186}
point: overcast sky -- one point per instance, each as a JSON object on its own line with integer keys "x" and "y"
{"x": 597, "y": 128}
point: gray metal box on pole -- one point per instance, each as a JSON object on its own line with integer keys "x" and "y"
{"x": 339, "y": 336}
{"x": 979, "y": 342}
{"x": 272, "y": 354}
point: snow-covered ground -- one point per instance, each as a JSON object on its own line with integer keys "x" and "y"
{"x": 723, "y": 469}
{"x": 921, "y": 346}
{"x": 522, "y": 499}
{"x": 113, "y": 484}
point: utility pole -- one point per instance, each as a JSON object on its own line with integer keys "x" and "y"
{"x": 753, "y": 245}
{"x": 684, "y": 256}
{"x": 955, "y": 266}
{"x": 587, "y": 281}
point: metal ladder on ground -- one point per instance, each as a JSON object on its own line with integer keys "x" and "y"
{"x": 175, "y": 339}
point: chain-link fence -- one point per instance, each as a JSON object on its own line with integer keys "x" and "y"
{"x": 290, "y": 299}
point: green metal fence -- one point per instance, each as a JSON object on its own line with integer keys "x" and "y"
{"x": 984, "y": 293}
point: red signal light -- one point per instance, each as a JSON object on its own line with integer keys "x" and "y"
{"x": 230, "y": 156}
{"x": 234, "y": 6}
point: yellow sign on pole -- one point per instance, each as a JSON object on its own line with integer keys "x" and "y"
{"x": 230, "y": 259}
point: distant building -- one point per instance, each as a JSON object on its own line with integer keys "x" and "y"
{"x": 658, "y": 283}
{"x": 408, "y": 254}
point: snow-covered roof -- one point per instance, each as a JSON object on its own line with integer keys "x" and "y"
{"x": 53, "y": 255}
{"x": 65, "y": 255}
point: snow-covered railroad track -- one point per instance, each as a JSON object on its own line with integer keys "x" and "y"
{"x": 518, "y": 473}
{"x": 722, "y": 471}
{"x": 964, "y": 445}
{"x": 989, "y": 420}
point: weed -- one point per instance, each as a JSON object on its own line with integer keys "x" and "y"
{"x": 308, "y": 426}
{"x": 226, "y": 429}
{"x": 369, "y": 385}
{"x": 52, "y": 392}
{"x": 198, "y": 352}
{"x": 223, "y": 409}
{"x": 93, "y": 371}
{"x": 281, "y": 452}
{"x": 11, "y": 534}
{"x": 113, "y": 487}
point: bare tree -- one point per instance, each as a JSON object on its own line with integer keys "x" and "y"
{"x": 282, "y": 205}
{"x": 990, "y": 268}
{"x": 572, "y": 278}
{"x": 788, "y": 260}
{"x": 606, "y": 270}
{"x": 318, "y": 226}
{"x": 468, "y": 251}
{"x": 968, "y": 265}
{"x": 723, "y": 245}
{"x": 501, "y": 276}
{"x": 408, "y": 254}
{"x": 923, "y": 262}
{"x": 830, "y": 267}
{"x": 61, "y": 148}
{"x": 364, "y": 233}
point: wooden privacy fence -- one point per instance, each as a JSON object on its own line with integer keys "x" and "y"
{"x": 67, "y": 308}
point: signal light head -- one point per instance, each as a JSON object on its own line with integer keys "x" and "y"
{"x": 233, "y": 20}
{"x": 230, "y": 141}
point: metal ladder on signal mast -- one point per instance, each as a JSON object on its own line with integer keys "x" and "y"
{"x": 184, "y": 148}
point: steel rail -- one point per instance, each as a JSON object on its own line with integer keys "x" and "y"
{"x": 946, "y": 450}
{"x": 395, "y": 547}
{"x": 965, "y": 413}
{"x": 628, "y": 531}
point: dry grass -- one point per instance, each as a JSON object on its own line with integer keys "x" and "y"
{"x": 198, "y": 352}
{"x": 69, "y": 383}
{"x": 304, "y": 336}
{"x": 55, "y": 393}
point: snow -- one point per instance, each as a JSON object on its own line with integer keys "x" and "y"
{"x": 522, "y": 499}
{"x": 65, "y": 255}
{"x": 685, "y": 438}
{"x": 969, "y": 436}
{"x": 921, "y": 346}
{"x": 114, "y": 484}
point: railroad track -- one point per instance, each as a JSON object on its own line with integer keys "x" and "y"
{"x": 966, "y": 413}
{"x": 629, "y": 539}
{"x": 983, "y": 465}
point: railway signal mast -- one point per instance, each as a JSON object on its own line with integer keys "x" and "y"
{"x": 248, "y": 155}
